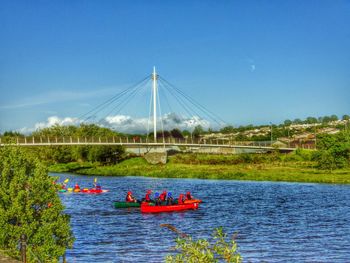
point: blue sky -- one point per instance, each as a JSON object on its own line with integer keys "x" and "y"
{"x": 247, "y": 61}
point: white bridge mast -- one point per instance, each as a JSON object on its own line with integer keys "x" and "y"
{"x": 154, "y": 78}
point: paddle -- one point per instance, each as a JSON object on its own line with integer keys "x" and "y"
{"x": 95, "y": 182}
{"x": 65, "y": 183}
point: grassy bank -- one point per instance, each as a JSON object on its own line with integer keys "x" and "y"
{"x": 215, "y": 167}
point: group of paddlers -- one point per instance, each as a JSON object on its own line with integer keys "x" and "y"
{"x": 165, "y": 198}
{"x": 76, "y": 187}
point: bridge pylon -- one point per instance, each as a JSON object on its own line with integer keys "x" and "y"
{"x": 154, "y": 78}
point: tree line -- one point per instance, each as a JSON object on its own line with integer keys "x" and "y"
{"x": 93, "y": 130}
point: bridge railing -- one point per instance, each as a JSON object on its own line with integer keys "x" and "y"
{"x": 66, "y": 140}
{"x": 123, "y": 140}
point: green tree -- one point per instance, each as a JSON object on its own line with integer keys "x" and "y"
{"x": 55, "y": 153}
{"x": 12, "y": 134}
{"x": 334, "y": 150}
{"x": 29, "y": 205}
{"x": 105, "y": 154}
{"x": 176, "y": 133}
{"x": 346, "y": 117}
{"x": 298, "y": 121}
{"x": 80, "y": 153}
{"x": 334, "y": 117}
{"x": 198, "y": 130}
{"x": 228, "y": 129}
{"x": 311, "y": 120}
{"x": 326, "y": 119}
{"x": 202, "y": 251}
{"x": 287, "y": 122}
{"x": 186, "y": 133}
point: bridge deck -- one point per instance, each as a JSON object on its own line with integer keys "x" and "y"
{"x": 136, "y": 143}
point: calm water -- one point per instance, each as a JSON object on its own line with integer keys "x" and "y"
{"x": 275, "y": 222}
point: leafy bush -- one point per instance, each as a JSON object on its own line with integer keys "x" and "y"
{"x": 334, "y": 151}
{"x": 202, "y": 251}
{"x": 29, "y": 205}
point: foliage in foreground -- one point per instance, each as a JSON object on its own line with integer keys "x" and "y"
{"x": 29, "y": 205}
{"x": 204, "y": 251}
{"x": 334, "y": 151}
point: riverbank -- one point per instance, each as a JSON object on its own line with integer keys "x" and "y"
{"x": 213, "y": 168}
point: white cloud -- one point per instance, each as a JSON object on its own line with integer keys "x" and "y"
{"x": 51, "y": 121}
{"x": 127, "y": 124}
{"x": 54, "y": 120}
{"x": 168, "y": 121}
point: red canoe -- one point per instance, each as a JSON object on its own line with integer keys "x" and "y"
{"x": 146, "y": 208}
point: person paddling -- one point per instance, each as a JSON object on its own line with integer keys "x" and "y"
{"x": 97, "y": 186}
{"x": 64, "y": 184}
{"x": 163, "y": 196}
{"x": 189, "y": 196}
{"x": 157, "y": 199}
{"x": 76, "y": 188}
{"x": 148, "y": 196}
{"x": 181, "y": 199}
{"x": 170, "y": 199}
{"x": 129, "y": 198}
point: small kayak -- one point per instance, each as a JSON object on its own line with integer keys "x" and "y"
{"x": 93, "y": 191}
{"x": 118, "y": 204}
{"x": 74, "y": 190}
{"x": 62, "y": 190}
{"x": 192, "y": 201}
{"x": 151, "y": 208}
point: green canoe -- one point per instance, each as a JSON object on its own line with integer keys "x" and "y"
{"x": 125, "y": 204}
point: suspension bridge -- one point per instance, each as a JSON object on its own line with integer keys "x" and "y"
{"x": 139, "y": 145}
{"x": 192, "y": 114}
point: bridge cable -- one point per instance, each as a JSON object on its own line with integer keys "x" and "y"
{"x": 194, "y": 101}
{"x": 105, "y": 105}
{"x": 186, "y": 100}
{"x": 111, "y": 100}
{"x": 186, "y": 104}
{"x": 181, "y": 104}
{"x": 185, "y": 107}
{"x": 123, "y": 103}
{"x": 149, "y": 115}
{"x": 163, "y": 92}
{"x": 161, "y": 118}
{"x": 209, "y": 114}
{"x": 126, "y": 99}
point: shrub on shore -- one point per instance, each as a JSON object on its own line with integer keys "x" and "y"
{"x": 219, "y": 249}
{"x": 29, "y": 205}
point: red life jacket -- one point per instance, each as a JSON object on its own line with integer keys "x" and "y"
{"x": 181, "y": 201}
{"x": 189, "y": 197}
{"x": 129, "y": 198}
{"x": 147, "y": 198}
{"x": 162, "y": 196}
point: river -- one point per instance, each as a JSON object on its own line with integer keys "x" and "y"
{"x": 274, "y": 222}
